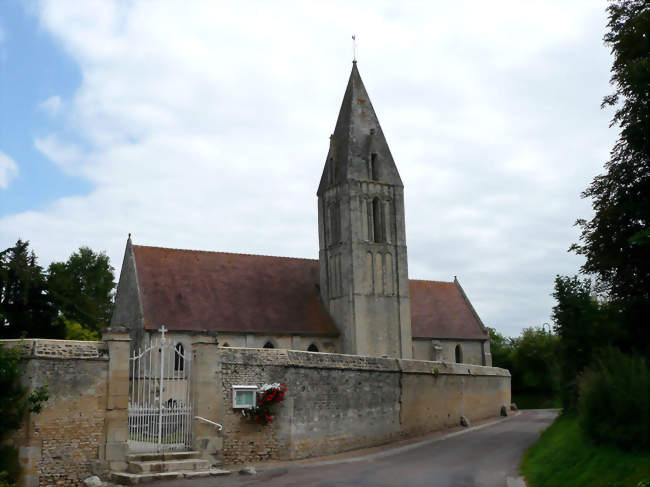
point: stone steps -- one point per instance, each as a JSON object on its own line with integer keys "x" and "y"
{"x": 171, "y": 455}
{"x": 192, "y": 464}
{"x": 150, "y": 467}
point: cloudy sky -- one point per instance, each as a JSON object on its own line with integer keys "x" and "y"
{"x": 205, "y": 125}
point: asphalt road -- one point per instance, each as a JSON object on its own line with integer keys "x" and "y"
{"x": 485, "y": 457}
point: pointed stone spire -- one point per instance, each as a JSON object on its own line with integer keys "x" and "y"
{"x": 361, "y": 233}
{"x": 358, "y": 149}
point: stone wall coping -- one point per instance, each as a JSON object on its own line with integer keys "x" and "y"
{"x": 44, "y": 348}
{"x": 449, "y": 368}
{"x": 296, "y": 358}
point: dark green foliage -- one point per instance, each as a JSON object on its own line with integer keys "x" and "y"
{"x": 614, "y": 401}
{"x": 564, "y": 457}
{"x": 501, "y": 349}
{"x": 532, "y": 361}
{"x": 9, "y": 466}
{"x": 82, "y": 288}
{"x": 15, "y": 400}
{"x": 76, "y": 331}
{"x": 616, "y": 241}
{"x": 584, "y": 326}
{"x": 15, "y": 404}
{"x": 74, "y": 300}
{"x": 525, "y": 400}
{"x": 26, "y": 309}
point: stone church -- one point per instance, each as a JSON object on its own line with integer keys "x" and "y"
{"x": 355, "y": 299}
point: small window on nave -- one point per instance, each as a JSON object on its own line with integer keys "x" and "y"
{"x": 179, "y": 358}
{"x": 225, "y": 345}
{"x": 312, "y": 348}
{"x": 268, "y": 345}
{"x": 459, "y": 354}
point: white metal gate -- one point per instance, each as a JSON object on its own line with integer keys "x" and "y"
{"x": 160, "y": 408}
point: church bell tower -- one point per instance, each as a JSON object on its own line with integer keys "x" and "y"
{"x": 362, "y": 239}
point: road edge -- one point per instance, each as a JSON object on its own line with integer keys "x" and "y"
{"x": 385, "y": 453}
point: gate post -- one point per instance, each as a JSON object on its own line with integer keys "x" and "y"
{"x": 206, "y": 384}
{"x": 117, "y": 407}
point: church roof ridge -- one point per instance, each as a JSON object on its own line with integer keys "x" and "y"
{"x": 430, "y": 280}
{"x": 176, "y": 249}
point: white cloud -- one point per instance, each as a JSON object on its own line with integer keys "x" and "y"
{"x": 8, "y": 170}
{"x": 52, "y": 106}
{"x": 205, "y": 125}
{"x": 67, "y": 156}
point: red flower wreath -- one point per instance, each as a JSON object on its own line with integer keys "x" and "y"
{"x": 268, "y": 395}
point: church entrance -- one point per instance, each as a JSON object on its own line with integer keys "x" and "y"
{"x": 160, "y": 407}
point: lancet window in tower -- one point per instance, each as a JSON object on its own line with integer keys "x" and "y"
{"x": 334, "y": 219}
{"x": 378, "y": 220}
{"x": 372, "y": 167}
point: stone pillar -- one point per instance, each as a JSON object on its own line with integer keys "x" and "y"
{"x": 117, "y": 404}
{"x": 29, "y": 457}
{"x": 207, "y": 394}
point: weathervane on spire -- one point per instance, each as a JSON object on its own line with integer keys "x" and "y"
{"x": 354, "y": 48}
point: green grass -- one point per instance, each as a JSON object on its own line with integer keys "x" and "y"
{"x": 536, "y": 401}
{"x": 563, "y": 457}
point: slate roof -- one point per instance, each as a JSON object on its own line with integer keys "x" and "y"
{"x": 196, "y": 290}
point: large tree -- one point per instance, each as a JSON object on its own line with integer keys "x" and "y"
{"x": 26, "y": 308}
{"x": 82, "y": 288}
{"x": 585, "y": 326}
{"x": 616, "y": 241}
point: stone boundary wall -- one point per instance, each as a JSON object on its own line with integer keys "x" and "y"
{"x": 41, "y": 347}
{"x": 340, "y": 402}
{"x": 62, "y": 445}
{"x": 334, "y": 403}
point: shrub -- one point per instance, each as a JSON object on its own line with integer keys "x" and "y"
{"x": 9, "y": 466}
{"x": 16, "y": 403}
{"x": 613, "y": 401}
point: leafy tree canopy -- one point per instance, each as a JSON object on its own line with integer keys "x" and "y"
{"x": 534, "y": 362}
{"x": 585, "y": 325}
{"x": 616, "y": 241}
{"x": 501, "y": 349}
{"x": 82, "y": 288}
{"x": 26, "y": 308}
{"x": 73, "y": 300}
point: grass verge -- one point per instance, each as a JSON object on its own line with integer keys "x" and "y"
{"x": 563, "y": 457}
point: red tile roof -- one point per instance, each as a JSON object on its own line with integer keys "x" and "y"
{"x": 441, "y": 310}
{"x": 196, "y": 290}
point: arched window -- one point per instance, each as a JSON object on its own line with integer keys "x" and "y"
{"x": 459, "y": 354}
{"x": 268, "y": 345}
{"x": 179, "y": 358}
{"x": 378, "y": 220}
{"x": 312, "y": 348}
{"x": 225, "y": 345}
